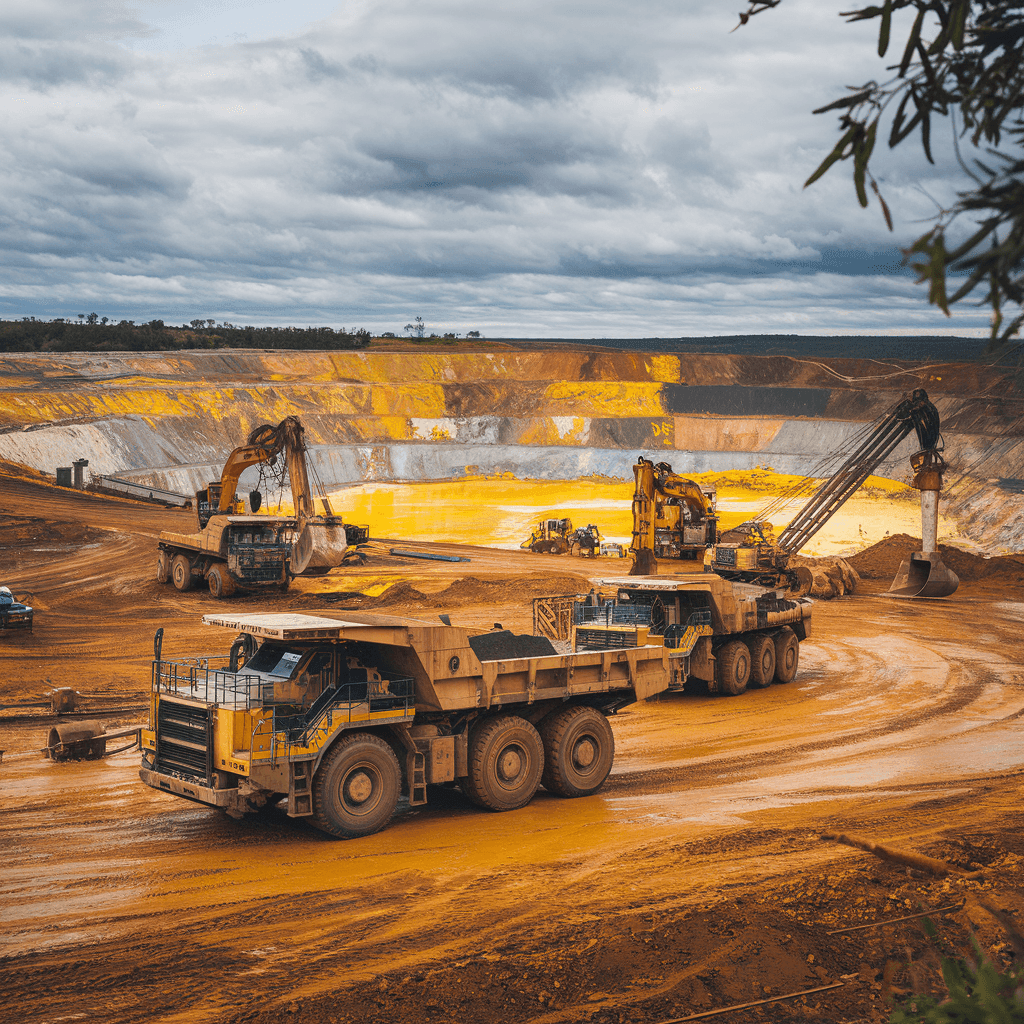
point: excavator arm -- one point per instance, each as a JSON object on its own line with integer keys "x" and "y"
{"x": 915, "y": 412}
{"x": 237, "y": 462}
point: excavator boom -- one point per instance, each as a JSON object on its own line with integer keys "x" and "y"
{"x": 913, "y": 413}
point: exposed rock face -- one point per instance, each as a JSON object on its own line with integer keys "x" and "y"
{"x": 830, "y": 577}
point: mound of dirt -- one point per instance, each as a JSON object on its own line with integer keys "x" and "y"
{"x": 34, "y": 531}
{"x": 882, "y": 560}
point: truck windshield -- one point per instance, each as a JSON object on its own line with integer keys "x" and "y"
{"x": 274, "y": 661}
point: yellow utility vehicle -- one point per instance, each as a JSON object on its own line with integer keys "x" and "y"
{"x": 343, "y": 716}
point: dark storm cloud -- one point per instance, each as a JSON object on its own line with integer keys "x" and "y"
{"x": 515, "y": 169}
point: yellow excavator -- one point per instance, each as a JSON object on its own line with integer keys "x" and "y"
{"x": 233, "y": 550}
{"x": 674, "y": 517}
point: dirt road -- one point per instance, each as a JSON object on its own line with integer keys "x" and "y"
{"x": 695, "y": 880}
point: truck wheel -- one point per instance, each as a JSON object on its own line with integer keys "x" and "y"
{"x": 506, "y": 759}
{"x": 787, "y": 655}
{"x": 733, "y": 667}
{"x": 762, "y": 660}
{"x": 356, "y": 787}
{"x": 181, "y": 573}
{"x": 578, "y": 751}
{"x": 163, "y": 567}
{"x": 219, "y": 582}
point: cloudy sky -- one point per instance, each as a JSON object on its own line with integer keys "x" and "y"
{"x": 529, "y": 169}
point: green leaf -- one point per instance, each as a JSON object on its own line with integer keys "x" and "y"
{"x": 862, "y": 151}
{"x": 883, "y": 31}
{"x": 845, "y": 101}
{"x": 912, "y": 42}
{"x": 882, "y": 203}
{"x": 958, "y": 23}
{"x": 836, "y": 154}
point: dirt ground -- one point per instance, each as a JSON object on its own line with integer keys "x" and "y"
{"x": 697, "y": 879}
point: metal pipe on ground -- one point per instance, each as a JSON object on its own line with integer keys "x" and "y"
{"x": 427, "y": 555}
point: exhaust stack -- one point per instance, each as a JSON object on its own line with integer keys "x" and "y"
{"x": 923, "y": 574}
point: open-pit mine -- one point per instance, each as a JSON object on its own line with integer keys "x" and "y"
{"x": 565, "y": 796}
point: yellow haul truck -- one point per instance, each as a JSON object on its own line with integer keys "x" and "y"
{"x": 343, "y": 716}
{"x": 728, "y": 634}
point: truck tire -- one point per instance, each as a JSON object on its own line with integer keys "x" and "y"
{"x": 506, "y": 760}
{"x": 762, "y": 660}
{"x": 578, "y": 751}
{"x": 220, "y": 583}
{"x": 357, "y": 786}
{"x": 163, "y": 567}
{"x": 181, "y": 573}
{"x": 787, "y": 655}
{"x": 732, "y": 666}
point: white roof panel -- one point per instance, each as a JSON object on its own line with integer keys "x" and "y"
{"x": 286, "y": 625}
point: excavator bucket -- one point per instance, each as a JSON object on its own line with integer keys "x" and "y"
{"x": 923, "y": 574}
{"x": 320, "y": 545}
{"x": 645, "y": 563}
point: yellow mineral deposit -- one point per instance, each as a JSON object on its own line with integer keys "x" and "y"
{"x": 503, "y": 512}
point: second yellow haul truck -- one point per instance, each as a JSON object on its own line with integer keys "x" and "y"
{"x": 344, "y": 716}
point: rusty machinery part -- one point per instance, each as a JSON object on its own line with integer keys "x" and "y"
{"x": 506, "y": 761}
{"x": 85, "y": 741}
{"x": 578, "y": 751}
{"x": 75, "y": 741}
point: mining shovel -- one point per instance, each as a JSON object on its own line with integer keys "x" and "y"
{"x": 923, "y": 574}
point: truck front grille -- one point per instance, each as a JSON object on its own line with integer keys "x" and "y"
{"x": 184, "y": 739}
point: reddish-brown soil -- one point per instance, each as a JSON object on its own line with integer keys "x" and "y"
{"x": 881, "y": 561}
{"x": 696, "y": 880}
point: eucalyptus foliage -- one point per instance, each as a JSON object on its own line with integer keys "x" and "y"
{"x": 962, "y": 60}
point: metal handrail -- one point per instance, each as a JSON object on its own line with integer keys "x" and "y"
{"x": 612, "y": 614}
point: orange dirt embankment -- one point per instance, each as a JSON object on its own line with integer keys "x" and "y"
{"x": 882, "y": 560}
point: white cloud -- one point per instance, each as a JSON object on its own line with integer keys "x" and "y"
{"x": 446, "y": 158}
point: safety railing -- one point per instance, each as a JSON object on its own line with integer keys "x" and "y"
{"x": 209, "y": 679}
{"x": 612, "y": 614}
{"x": 335, "y": 708}
{"x": 683, "y": 638}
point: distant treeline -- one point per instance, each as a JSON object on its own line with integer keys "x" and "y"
{"x": 98, "y": 334}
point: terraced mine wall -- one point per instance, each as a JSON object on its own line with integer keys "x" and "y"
{"x": 169, "y": 420}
